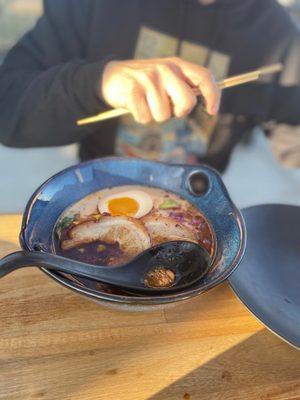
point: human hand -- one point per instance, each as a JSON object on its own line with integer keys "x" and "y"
{"x": 157, "y": 89}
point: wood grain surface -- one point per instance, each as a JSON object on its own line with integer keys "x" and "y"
{"x": 56, "y": 345}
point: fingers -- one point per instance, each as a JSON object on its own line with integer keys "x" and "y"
{"x": 158, "y": 89}
{"x": 181, "y": 94}
{"x": 203, "y": 79}
{"x": 157, "y": 98}
{"x": 147, "y": 100}
{"x": 210, "y": 92}
{"x": 137, "y": 104}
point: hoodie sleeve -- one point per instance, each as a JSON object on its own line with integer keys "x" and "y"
{"x": 285, "y": 103}
{"x": 46, "y": 82}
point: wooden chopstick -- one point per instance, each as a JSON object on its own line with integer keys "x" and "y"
{"x": 226, "y": 83}
{"x": 118, "y": 112}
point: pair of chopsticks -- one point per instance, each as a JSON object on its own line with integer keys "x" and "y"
{"x": 226, "y": 83}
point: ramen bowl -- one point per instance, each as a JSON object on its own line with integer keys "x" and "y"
{"x": 199, "y": 185}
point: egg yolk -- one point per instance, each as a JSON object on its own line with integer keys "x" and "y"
{"x": 123, "y": 206}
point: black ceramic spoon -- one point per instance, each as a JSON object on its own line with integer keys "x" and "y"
{"x": 183, "y": 263}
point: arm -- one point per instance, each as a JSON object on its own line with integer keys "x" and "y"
{"x": 42, "y": 92}
{"x": 285, "y": 104}
{"x": 46, "y": 83}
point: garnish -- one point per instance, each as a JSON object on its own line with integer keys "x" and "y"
{"x": 177, "y": 216}
{"x": 65, "y": 223}
{"x": 96, "y": 217}
{"x": 101, "y": 248}
{"x": 168, "y": 204}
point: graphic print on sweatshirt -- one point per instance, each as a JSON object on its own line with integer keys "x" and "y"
{"x": 178, "y": 140}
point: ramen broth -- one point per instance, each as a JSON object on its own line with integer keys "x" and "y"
{"x": 111, "y": 226}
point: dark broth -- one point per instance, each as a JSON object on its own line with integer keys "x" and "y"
{"x": 175, "y": 214}
{"x": 96, "y": 253}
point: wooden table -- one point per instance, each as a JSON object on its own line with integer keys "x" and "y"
{"x": 56, "y": 345}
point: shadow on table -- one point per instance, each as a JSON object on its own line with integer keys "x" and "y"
{"x": 261, "y": 367}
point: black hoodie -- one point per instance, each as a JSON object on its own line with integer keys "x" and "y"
{"x": 51, "y": 76}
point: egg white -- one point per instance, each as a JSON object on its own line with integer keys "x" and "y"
{"x": 143, "y": 199}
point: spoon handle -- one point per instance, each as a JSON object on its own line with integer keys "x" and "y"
{"x": 23, "y": 259}
{"x": 13, "y": 262}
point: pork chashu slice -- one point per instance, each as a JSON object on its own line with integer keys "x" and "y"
{"x": 164, "y": 229}
{"x": 130, "y": 233}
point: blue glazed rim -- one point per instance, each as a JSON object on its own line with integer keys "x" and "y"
{"x": 70, "y": 185}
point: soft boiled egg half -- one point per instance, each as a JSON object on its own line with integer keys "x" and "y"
{"x": 130, "y": 203}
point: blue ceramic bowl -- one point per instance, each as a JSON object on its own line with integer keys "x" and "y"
{"x": 74, "y": 183}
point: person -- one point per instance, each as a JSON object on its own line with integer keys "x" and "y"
{"x": 84, "y": 57}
